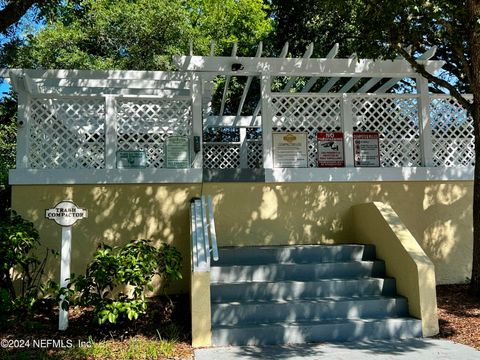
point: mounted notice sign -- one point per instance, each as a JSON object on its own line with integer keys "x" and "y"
{"x": 366, "y": 149}
{"x": 290, "y": 150}
{"x": 131, "y": 159}
{"x": 330, "y": 149}
{"x": 177, "y": 152}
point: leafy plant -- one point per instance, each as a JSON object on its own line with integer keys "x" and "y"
{"x": 18, "y": 239}
{"x": 113, "y": 267}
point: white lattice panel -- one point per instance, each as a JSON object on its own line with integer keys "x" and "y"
{"x": 221, "y": 156}
{"x": 144, "y": 125}
{"x": 255, "y": 154}
{"x": 66, "y": 133}
{"x": 453, "y": 140}
{"x": 311, "y": 114}
{"x": 396, "y": 120}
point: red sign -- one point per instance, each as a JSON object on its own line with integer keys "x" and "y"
{"x": 330, "y": 149}
{"x": 366, "y": 149}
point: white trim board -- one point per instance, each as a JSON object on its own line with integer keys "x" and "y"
{"x": 103, "y": 176}
{"x": 352, "y": 174}
{"x": 173, "y": 176}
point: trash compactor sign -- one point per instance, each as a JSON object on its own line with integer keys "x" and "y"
{"x": 66, "y": 213}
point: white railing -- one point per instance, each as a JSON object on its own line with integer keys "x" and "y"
{"x": 203, "y": 234}
{"x": 86, "y": 132}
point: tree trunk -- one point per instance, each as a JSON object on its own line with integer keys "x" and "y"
{"x": 473, "y": 8}
{"x": 475, "y": 281}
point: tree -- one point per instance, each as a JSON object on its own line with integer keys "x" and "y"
{"x": 141, "y": 34}
{"x": 382, "y": 28}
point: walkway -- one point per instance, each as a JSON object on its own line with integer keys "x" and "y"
{"x": 380, "y": 349}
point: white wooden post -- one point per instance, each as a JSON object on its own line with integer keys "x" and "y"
{"x": 64, "y": 273}
{"x": 23, "y": 129}
{"x": 347, "y": 119}
{"x": 266, "y": 98}
{"x": 110, "y": 132}
{"x": 243, "y": 148}
{"x": 426, "y": 148}
{"x": 65, "y": 214}
{"x": 197, "y": 117}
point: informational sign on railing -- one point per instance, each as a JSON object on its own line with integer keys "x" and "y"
{"x": 330, "y": 149}
{"x": 366, "y": 149}
{"x": 290, "y": 150}
{"x": 177, "y": 152}
{"x": 131, "y": 159}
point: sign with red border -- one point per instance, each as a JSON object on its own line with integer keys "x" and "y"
{"x": 366, "y": 149}
{"x": 330, "y": 150}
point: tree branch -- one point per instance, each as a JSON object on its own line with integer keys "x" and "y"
{"x": 13, "y": 12}
{"x": 422, "y": 71}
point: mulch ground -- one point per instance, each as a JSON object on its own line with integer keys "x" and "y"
{"x": 458, "y": 315}
{"x": 167, "y": 318}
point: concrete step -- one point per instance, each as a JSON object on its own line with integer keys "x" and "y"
{"x": 337, "y": 330}
{"x": 256, "y": 255}
{"x": 290, "y": 290}
{"x": 296, "y": 272}
{"x": 233, "y": 313}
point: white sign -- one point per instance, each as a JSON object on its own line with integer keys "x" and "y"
{"x": 366, "y": 149}
{"x": 131, "y": 159}
{"x": 330, "y": 149}
{"x": 290, "y": 150}
{"x": 177, "y": 152}
{"x": 66, "y": 213}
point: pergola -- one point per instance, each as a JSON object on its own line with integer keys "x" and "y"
{"x": 72, "y": 123}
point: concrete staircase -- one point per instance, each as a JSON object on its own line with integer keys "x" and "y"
{"x": 299, "y": 294}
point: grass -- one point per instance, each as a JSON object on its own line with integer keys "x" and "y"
{"x": 135, "y": 348}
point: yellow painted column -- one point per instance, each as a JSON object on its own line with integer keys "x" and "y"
{"x": 377, "y": 223}
{"x": 201, "y": 310}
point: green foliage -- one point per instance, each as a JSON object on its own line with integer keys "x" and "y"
{"x": 8, "y": 127}
{"x": 18, "y": 239}
{"x": 133, "y": 264}
{"x": 141, "y": 34}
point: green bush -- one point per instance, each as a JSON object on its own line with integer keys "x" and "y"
{"x": 18, "y": 239}
{"x": 133, "y": 264}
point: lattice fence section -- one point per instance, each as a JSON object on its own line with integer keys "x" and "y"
{"x": 145, "y": 124}
{"x": 66, "y": 133}
{"x": 453, "y": 140}
{"x": 221, "y": 156}
{"x": 310, "y": 114}
{"x": 255, "y": 154}
{"x": 396, "y": 120}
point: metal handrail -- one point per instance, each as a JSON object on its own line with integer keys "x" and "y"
{"x": 203, "y": 233}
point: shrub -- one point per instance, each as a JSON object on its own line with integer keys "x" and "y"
{"x": 18, "y": 239}
{"x": 133, "y": 264}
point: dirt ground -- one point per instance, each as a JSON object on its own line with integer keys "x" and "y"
{"x": 458, "y": 315}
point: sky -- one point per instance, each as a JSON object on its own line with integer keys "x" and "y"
{"x": 28, "y": 24}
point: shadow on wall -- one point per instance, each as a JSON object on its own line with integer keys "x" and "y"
{"x": 439, "y": 215}
{"x": 117, "y": 214}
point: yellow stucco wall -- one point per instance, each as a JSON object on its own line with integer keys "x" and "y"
{"x": 439, "y": 215}
{"x": 117, "y": 214}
